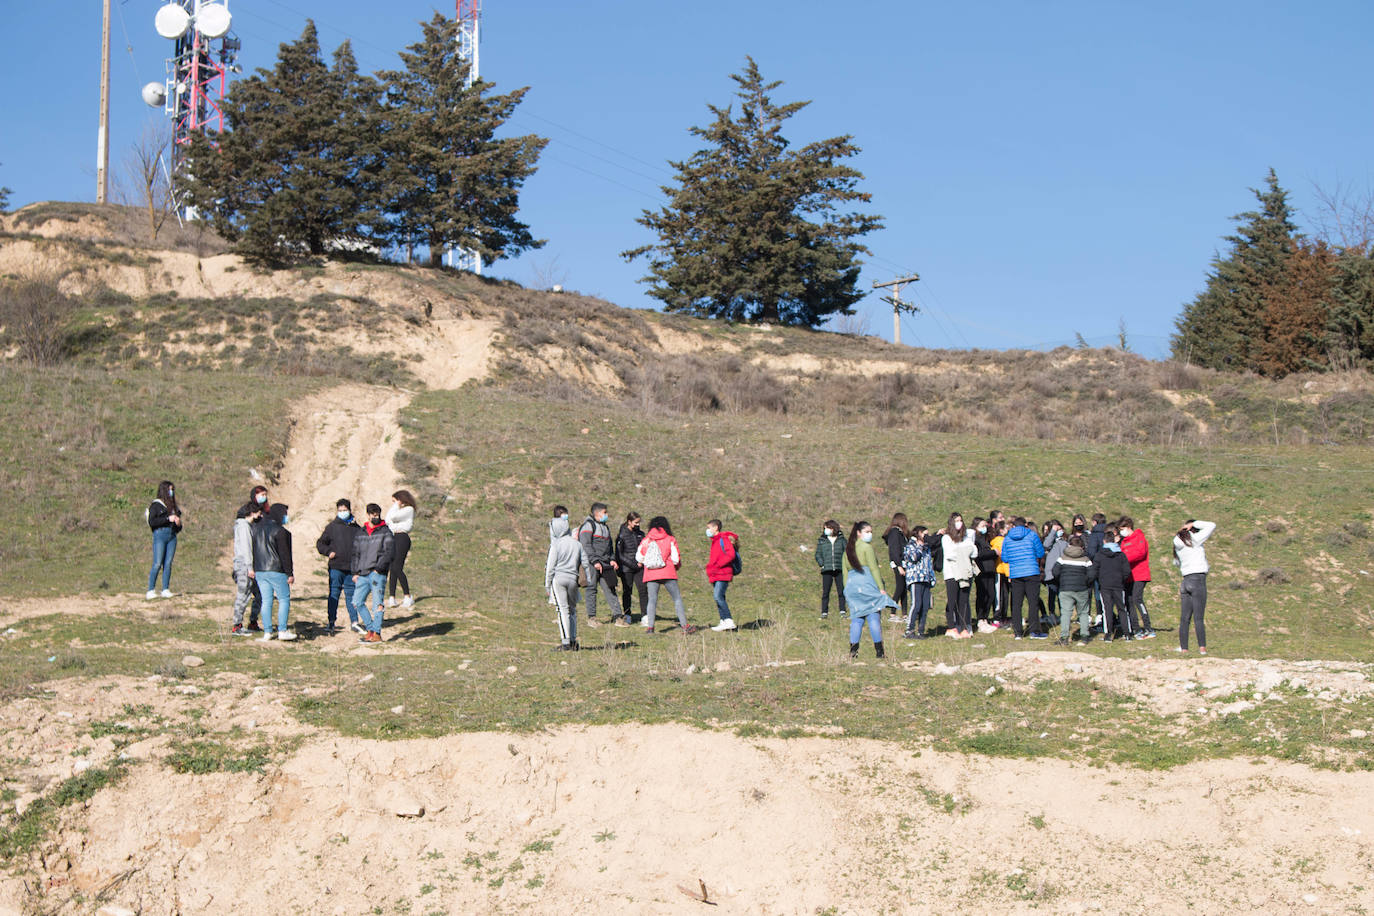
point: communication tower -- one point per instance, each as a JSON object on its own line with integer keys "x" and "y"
{"x": 204, "y": 53}
{"x": 469, "y": 42}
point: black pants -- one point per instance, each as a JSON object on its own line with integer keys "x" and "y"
{"x": 1051, "y": 602}
{"x": 1193, "y": 604}
{"x": 985, "y": 597}
{"x": 1003, "y": 599}
{"x": 1136, "y": 603}
{"x": 398, "y": 564}
{"x": 957, "y": 596}
{"x": 632, "y": 580}
{"x": 1114, "y": 612}
{"x": 831, "y": 577}
{"x": 1025, "y": 589}
{"x": 899, "y": 590}
{"x": 920, "y": 607}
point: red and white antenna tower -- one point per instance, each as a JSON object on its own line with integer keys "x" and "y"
{"x": 204, "y": 54}
{"x": 469, "y": 44}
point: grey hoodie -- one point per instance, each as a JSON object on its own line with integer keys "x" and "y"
{"x": 565, "y": 553}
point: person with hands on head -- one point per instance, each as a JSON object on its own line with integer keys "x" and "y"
{"x": 1192, "y": 592}
{"x": 164, "y": 519}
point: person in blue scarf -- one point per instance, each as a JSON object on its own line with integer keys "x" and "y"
{"x": 863, "y": 590}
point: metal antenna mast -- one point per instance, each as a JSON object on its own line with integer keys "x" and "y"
{"x": 898, "y": 306}
{"x": 469, "y": 48}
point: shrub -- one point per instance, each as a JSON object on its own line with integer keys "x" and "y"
{"x": 37, "y": 320}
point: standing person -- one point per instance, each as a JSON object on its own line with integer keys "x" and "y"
{"x": 896, "y": 536}
{"x": 273, "y": 569}
{"x": 400, "y": 518}
{"x": 830, "y": 548}
{"x": 1022, "y": 551}
{"x": 864, "y": 589}
{"x": 560, "y": 580}
{"x": 559, "y": 512}
{"x": 164, "y": 518}
{"x": 336, "y": 544}
{"x": 1055, "y": 544}
{"x": 721, "y": 565}
{"x": 985, "y": 594}
{"x": 600, "y": 565}
{"x": 1092, "y": 543}
{"x": 1137, "y": 550}
{"x": 258, "y": 502}
{"x": 959, "y": 570}
{"x": 374, "y": 547}
{"x": 918, "y": 563}
{"x": 998, "y": 530}
{"x": 1075, "y": 574}
{"x": 1113, "y": 581}
{"x": 1192, "y": 563}
{"x": 659, "y": 556}
{"x": 244, "y": 585}
{"x": 627, "y": 541}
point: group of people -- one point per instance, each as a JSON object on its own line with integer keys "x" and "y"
{"x": 1095, "y": 573}
{"x": 363, "y": 558}
{"x": 588, "y": 560}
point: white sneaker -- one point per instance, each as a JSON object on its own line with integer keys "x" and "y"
{"x": 391, "y": 602}
{"x": 266, "y": 636}
{"x": 407, "y": 601}
{"x": 726, "y": 624}
{"x": 358, "y": 628}
{"x": 166, "y": 593}
{"x": 287, "y": 635}
{"x": 151, "y": 595}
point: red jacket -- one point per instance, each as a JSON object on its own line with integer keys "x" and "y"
{"x": 722, "y": 555}
{"x": 1137, "y": 551}
{"x": 667, "y": 548}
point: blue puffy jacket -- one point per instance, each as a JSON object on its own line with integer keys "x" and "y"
{"x": 1021, "y": 551}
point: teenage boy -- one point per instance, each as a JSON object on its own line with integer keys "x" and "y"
{"x": 1137, "y": 551}
{"x": 373, "y": 549}
{"x": 273, "y": 569}
{"x": 1022, "y": 551}
{"x": 600, "y": 565}
{"x": 1075, "y": 574}
{"x": 336, "y": 543}
{"x": 245, "y": 590}
{"x": 1113, "y": 578}
{"x": 257, "y": 503}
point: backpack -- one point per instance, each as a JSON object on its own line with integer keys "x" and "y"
{"x": 736, "y": 564}
{"x": 653, "y": 557}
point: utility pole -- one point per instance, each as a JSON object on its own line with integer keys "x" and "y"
{"x": 102, "y": 147}
{"x": 898, "y": 306}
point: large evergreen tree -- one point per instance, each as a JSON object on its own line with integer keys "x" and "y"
{"x": 754, "y": 230}
{"x": 1350, "y": 320}
{"x": 292, "y": 172}
{"x": 449, "y": 181}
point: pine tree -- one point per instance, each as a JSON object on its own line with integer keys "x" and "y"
{"x": 1224, "y": 326}
{"x": 1350, "y": 321}
{"x": 450, "y": 182}
{"x": 292, "y": 171}
{"x": 753, "y": 230}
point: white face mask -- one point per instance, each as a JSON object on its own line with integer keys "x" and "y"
{"x": 866, "y": 537}
{"x": 345, "y": 516}
{"x": 982, "y": 529}
{"x": 710, "y": 532}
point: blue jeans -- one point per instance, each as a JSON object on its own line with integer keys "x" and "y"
{"x": 875, "y": 627}
{"x": 164, "y": 548}
{"x": 369, "y": 584}
{"x": 920, "y": 607}
{"x": 341, "y": 582}
{"x": 721, "y": 604}
{"x": 269, "y": 584}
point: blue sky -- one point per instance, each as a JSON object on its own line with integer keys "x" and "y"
{"x": 1047, "y": 167}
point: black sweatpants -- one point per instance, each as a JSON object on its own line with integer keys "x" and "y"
{"x": 957, "y": 596}
{"x": 398, "y": 564}
{"x": 1025, "y": 589}
{"x": 831, "y": 577}
{"x": 1193, "y": 604}
{"x": 899, "y": 590}
{"x": 920, "y": 607}
{"x": 985, "y": 597}
{"x": 1114, "y": 613}
{"x": 632, "y": 580}
{"x": 1136, "y": 602}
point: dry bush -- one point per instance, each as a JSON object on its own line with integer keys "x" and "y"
{"x": 37, "y": 320}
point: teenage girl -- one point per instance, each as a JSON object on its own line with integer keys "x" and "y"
{"x": 400, "y": 518}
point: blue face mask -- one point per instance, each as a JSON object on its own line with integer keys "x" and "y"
{"x": 286, "y": 519}
{"x": 345, "y": 516}
{"x": 262, "y": 499}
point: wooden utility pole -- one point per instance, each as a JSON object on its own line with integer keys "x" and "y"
{"x": 898, "y": 306}
{"x": 102, "y": 151}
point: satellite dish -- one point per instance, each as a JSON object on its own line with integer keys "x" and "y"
{"x": 213, "y": 21}
{"x": 172, "y": 21}
{"x": 155, "y": 94}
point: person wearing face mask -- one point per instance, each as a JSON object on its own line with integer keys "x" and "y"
{"x": 256, "y": 507}
{"x": 864, "y": 589}
{"x": 245, "y": 589}
{"x": 895, "y": 537}
{"x": 400, "y": 518}
{"x": 595, "y": 537}
{"x": 336, "y": 543}
{"x": 273, "y": 570}
{"x": 1137, "y": 551}
{"x": 164, "y": 519}
{"x": 1022, "y": 550}
{"x": 985, "y": 603}
{"x": 373, "y": 550}
{"x": 720, "y": 569}
{"x": 560, "y": 579}
{"x": 830, "y": 548}
{"x": 627, "y": 541}
{"x": 919, "y": 565}
{"x": 959, "y": 571}
{"x": 559, "y": 512}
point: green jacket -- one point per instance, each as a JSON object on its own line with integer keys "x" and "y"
{"x": 830, "y": 557}
{"x": 869, "y": 559}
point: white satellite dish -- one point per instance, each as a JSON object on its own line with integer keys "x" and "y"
{"x": 172, "y": 21}
{"x": 213, "y": 21}
{"x": 155, "y": 94}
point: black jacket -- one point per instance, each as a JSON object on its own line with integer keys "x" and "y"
{"x": 338, "y": 539}
{"x": 984, "y": 555}
{"x": 373, "y": 552}
{"x": 627, "y": 542}
{"x": 1092, "y": 542}
{"x": 1113, "y": 569}
{"x": 158, "y": 517}
{"x": 896, "y": 545}
{"x": 1074, "y": 574}
{"x": 271, "y": 547}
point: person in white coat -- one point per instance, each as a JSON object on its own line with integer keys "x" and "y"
{"x": 400, "y": 518}
{"x": 959, "y": 569}
{"x": 1192, "y": 563}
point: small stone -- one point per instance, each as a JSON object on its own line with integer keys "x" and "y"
{"x": 1074, "y": 668}
{"x": 81, "y": 765}
{"x": 991, "y": 691}
{"x": 691, "y": 669}
{"x": 511, "y": 669}
{"x": 403, "y": 806}
{"x": 1268, "y": 679}
{"x": 1240, "y": 706}
{"x": 1309, "y": 899}
{"x": 397, "y": 710}
{"x": 1358, "y": 733}
{"x": 115, "y": 911}
{"x": 722, "y": 666}
{"x": 365, "y": 678}
{"x": 192, "y": 661}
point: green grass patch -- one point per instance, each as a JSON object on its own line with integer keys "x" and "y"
{"x": 29, "y": 830}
